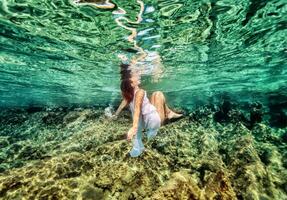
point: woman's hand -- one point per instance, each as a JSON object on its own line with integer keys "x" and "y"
{"x": 131, "y": 133}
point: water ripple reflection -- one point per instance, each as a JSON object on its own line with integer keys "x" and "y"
{"x": 65, "y": 52}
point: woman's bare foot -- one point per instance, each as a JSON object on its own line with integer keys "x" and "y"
{"x": 173, "y": 115}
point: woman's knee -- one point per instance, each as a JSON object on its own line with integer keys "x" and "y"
{"x": 158, "y": 94}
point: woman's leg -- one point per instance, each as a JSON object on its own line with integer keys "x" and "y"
{"x": 138, "y": 146}
{"x": 158, "y": 100}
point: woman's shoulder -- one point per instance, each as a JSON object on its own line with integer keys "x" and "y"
{"x": 140, "y": 91}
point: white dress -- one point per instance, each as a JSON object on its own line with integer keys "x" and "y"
{"x": 149, "y": 114}
{"x": 149, "y": 119}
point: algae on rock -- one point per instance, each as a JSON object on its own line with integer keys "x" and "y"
{"x": 87, "y": 158}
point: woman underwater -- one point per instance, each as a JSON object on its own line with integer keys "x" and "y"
{"x": 148, "y": 114}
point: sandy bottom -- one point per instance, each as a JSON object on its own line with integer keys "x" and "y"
{"x": 80, "y": 154}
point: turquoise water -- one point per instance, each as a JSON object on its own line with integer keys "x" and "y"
{"x": 221, "y": 62}
{"x": 61, "y": 52}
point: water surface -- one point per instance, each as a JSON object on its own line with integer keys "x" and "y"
{"x": 60, "y": 52}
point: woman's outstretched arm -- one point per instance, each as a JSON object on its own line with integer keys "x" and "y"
{"x": 137, "y": 111}
{"x": 123, "y": 104}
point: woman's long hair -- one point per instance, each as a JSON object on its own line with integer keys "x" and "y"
{"x": 126, "y": 85}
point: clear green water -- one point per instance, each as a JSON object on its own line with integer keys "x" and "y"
{"x": 60, "y": 53}
{"x": 57, "y": 53}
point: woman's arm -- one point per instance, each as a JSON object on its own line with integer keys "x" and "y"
{"x": 121, "y": 107}
{"x": 137, "y": 110}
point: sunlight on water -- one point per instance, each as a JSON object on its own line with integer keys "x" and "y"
{"x": 220, "y": 63}
{"x": 66, "y": 52}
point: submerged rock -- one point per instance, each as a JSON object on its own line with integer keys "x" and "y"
{"x": 284, "y": 137}
{"x": 192, "y": 158}
{"x": 92, "y": 193}
{"x": 4, "y": 142}
{"x": 180, "y": 186}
